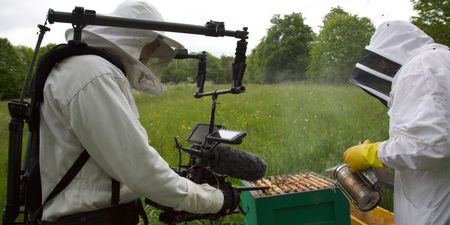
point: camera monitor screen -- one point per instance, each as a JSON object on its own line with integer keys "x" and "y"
{"x": 200, "y": 132}
{"x": 227, "y": 136}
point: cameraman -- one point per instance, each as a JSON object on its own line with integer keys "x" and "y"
{"x": 88, "y": 104}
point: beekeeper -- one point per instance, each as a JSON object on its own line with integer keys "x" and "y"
{"x": 88, "y": 104}
{"x": 418, "y": 148}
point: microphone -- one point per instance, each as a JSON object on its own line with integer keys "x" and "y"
{"x": 236, "y": 163}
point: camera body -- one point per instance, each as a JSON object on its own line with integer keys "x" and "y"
{"x": 204, "y": 139}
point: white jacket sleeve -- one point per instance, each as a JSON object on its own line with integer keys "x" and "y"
{"x": 419, "y": 117}
{"x": 106, "y": 126}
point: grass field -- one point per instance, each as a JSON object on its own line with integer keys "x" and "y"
{"x": 294, "y": 127}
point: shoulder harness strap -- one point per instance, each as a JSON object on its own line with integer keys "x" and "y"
{"x": 46, "y": 64}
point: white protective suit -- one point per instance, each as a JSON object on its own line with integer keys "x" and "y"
{"x": 418, "y": 147}
{"x": 88, "y": 104}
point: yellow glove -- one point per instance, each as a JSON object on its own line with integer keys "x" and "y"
{"x": 362, "y": 156}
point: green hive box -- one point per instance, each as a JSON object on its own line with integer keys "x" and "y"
{"x": 323, "y": 206}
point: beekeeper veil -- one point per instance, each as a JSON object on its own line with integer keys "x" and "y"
{"x": 391, "y": 46}
{"x": 127, "y": 44}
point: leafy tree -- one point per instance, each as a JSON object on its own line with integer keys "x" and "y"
{"x": 433, "y": 19}
{"x": 338, "y": 46}
{"x": 254, "y": 72}
{"x": 11, "y": 78}
{"x": 25, "y": 54}
{"x": 14, "y": 62}
{"x": 283, "y": 54}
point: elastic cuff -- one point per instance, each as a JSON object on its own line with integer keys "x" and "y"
{"x": 381, "y": 153}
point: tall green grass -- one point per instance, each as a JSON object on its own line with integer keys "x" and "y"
{"x": 294, "y": 127}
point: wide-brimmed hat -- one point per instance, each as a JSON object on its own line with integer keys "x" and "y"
{"x": 127, "y": 44}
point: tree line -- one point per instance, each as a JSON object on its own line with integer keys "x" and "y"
{"x": 290, "y": 51}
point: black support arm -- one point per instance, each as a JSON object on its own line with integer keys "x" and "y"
{"x": 81, "y": 17}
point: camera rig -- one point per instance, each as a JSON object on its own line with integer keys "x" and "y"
{"x": 205, "y": 138}
{"x": 200, "y": 152}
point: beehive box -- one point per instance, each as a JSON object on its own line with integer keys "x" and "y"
{"x": 295, "y": 199}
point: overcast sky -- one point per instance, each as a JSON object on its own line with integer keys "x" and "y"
{"x": 19, "y": 18}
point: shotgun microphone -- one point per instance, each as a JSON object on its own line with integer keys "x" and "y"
{"x": 236, "y": 163}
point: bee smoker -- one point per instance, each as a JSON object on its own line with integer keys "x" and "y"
{"x": 361, "y": 188}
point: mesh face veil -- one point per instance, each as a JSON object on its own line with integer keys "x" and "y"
{"x": 374, "y": 74}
